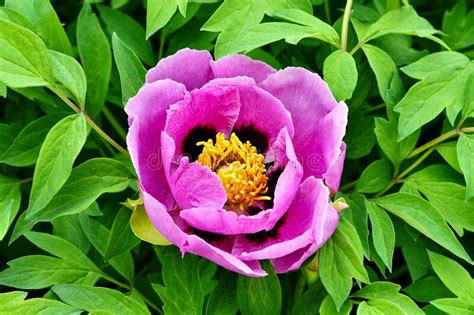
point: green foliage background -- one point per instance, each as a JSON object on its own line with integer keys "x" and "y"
{"x": 406, "y": 70}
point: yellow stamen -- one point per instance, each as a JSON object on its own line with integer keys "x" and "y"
{"x": 239, "y": 167}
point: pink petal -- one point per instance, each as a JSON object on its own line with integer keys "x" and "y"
{"x": 241, "y": 65}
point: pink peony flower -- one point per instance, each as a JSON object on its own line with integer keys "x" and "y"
{"x": 236, "y": 160}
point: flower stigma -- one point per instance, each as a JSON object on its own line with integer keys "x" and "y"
{"x": 240, "y": 168}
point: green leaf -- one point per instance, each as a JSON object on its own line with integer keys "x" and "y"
{"x": 69, "y": 228}
{"x": 16, "y": 18}
{"x": 132, "y": 73}
{"x": 400, "y": 48}
{"x": 388, "y": 292}
{"x": 24, "y": 150}
{"x": 453, "y": 275}
{"x": 458, "y": 25}
{"x": 375, "y": 177}
{"x": 68, "y": 72}
{"x": 97, "y": 299}
{"x": 421, "y": 215}
{"x": 357, "y": 214}
{"x": 259, "y": 296}
{"x": 329, "y": 308}
{"x": 444, "y": 79}
{"x": 222, "y": 300}
{"x": 360, "y": 137}
{"x": 465, "y": 149}
{"x": 14, "y": 303}
{"x": 42, "y": 15}
{"x": 130, "y": 31}
{"x": 158, "y": 14}
{"x": 383, "y": 233}
{"x": 7, "y": 134}
{"x": 310, "y": 300}
{"x": 401, "y": 21}
{"x": 10, "y": 198}
{"x": 386, "y": 133}
{"x": 187, "y": 281}
{"x": 388, "y": 79}
{"x": 449, "y": 153}
{"x": 340, "y": 260}
{"x": 121, "y": 238}
{"x": 427, "y": 289}
{"x": 58, "y": 152}
{"x": 446, "y": 196}
{"x": 376, "y": 307}
{"x": 24, "y": 60}
{"x": 96, "y": 59}
{"x": 85, "y": 184}
{"x": 455, "y": 306}
{"x": 340, "y": 73}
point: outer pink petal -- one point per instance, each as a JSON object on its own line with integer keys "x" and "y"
{"x": 147, "y": 116}
{"x": 164, "y": 223}
{"x": 318, "y": 119}
{"x": 188, "y": 66}
{"x": 333, "y": 176}
{"x": 241, "y": 65}
{"x": 308, "y": 212}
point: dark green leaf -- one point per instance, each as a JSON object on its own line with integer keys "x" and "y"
{"x": 10, "y": 198}
{"x": 222, "y": 300}
{"x": 458, "y": 25}
{"x": 121, "y": 238}
{"x": 375, "y": 177}
{"x": 427, "y": 289}
{"x": 465, "y": 149}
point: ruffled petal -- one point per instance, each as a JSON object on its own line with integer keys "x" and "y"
{"x": 318, "y": 119}
{"x": 333, "y": 176}
{"x": 241, "y": 65}
{"x": 212, "y": 106}
{"x": 221, "y": 221}
{"x": 294, "y": 260}
{"x": 147, "y": 117}
{"x": 296, "y": 230}
{"x": 188, "y": 66}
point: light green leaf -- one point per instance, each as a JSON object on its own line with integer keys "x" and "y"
{"x": 341, "y": 259}
{"x": 187, "y": 280}
{"x": 129, "y": 31}
{"x": 96, "y": 59}
{"x": 455, "y": 306}
{"x": 449, "y": 153}
{"x": 158, "y": 14}
{"x": 465, "y": 149}
{"x": 357, "y": 214}
{"x": 16, "y": 305}
{"x": 421, "y": 215}
{"x": 24, "y": 150}
{"x": 388, "y": 292}
{"x": 24, "y": 60}
{"x": 10, "y": 198}
{"x": 340, "y": 73}
{"x": 379, "y": 307}
{"x": 386, "y": 133}
{"x": 85, "y": 184}
{"x": 388, "y": 79}
{"x": 444, "y": 79}
{"x": 68, "y": 72}
{"x": 132, "y": 73}
{"x": 453, "y": 275}
{"x": 383, "y": 233}
{"x": 58, "y": 152}
{"x": 375, "y": 177}
{"x": 41, "y": 14}
{"x": 329, "y": 308}
{"x": 17, "y": 18}
{"x": 145, "y": 230}
{"x": 401, "y": 21}
{"x": 97, "y": 299}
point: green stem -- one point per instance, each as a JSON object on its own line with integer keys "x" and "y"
{"x": 345, "y": 24}
{"x": 162, "y": 45}
{"x": 25, "y": 181}
{"x": 115, "y": 124}
{"x": 91, "y": 123}
{"x": 356, "y": 47}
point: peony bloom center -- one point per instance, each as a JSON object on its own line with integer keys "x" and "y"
{"x": 240, "y": 168}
